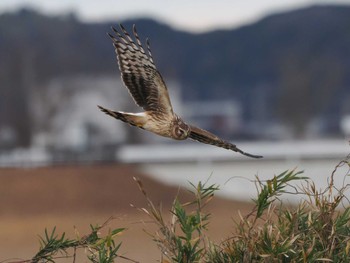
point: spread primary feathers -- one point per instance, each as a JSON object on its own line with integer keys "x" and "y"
{"x": 145, "y": 84}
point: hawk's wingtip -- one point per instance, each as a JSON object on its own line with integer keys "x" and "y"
{"x": 110, "y": 35}
{"x": 253, "y": 155}
{"x": 122, "y": 27}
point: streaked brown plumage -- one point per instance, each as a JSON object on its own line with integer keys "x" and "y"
{"x": 149, "y": 91}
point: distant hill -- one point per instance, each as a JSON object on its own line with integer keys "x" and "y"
{"x": 292, "y": 67}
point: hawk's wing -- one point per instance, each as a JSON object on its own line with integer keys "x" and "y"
{"x": 139, "y": 73}
{"x": 204, "y": 136}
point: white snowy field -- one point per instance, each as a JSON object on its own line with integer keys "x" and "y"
{"x": 181, "y": 164}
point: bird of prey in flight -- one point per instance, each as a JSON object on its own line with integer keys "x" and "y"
{"x": 147, "y": 87}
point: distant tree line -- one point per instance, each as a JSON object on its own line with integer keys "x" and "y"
{"x": 294, "y": 66}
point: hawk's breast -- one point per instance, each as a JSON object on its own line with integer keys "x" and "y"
{"x": 158, "y": 124}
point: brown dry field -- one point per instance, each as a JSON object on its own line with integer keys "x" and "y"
{"x": 33, "y": 199}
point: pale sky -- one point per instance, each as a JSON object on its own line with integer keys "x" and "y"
{"x": 195, "y": 15}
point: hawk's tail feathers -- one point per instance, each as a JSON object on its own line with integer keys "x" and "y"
{"x": 113, "y": 114}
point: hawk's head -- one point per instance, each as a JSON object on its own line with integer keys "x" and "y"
{"x": 180, "y": 130}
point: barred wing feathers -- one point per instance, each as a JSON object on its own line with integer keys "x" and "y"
{"x": 206, "y": 137}
{"x": 139, "y": 72}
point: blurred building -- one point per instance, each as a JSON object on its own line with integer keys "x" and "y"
{"x": 222, "y": 117}
{"x": 67, "y": 120}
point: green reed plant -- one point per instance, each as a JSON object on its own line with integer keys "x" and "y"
{"x": 98, "y": 249}
{"x": 317, "y": 229}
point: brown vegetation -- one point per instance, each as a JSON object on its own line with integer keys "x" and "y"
{"x": 34, "y": 199}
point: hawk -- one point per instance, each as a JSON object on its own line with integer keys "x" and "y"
{"x": 147, "y": 87}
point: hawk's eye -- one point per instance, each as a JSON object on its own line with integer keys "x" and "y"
{"x": 180, "y": 133}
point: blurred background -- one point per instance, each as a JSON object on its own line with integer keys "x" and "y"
{"x": 281, "y": 75}
{"x": 273, "y": 77}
